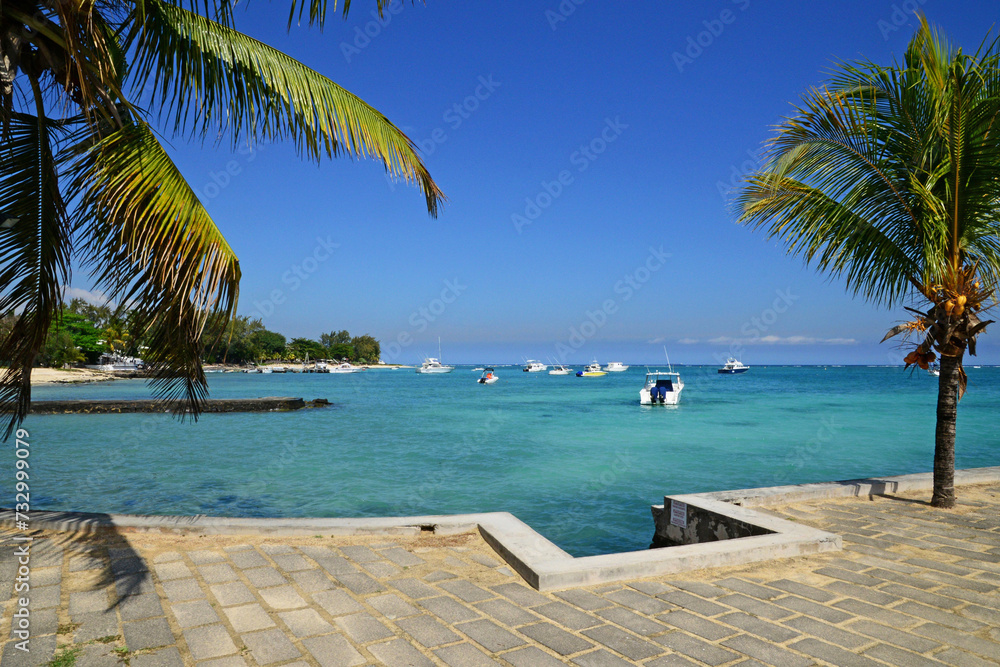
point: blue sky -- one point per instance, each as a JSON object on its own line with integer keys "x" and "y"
{"x": 585, "y": 148}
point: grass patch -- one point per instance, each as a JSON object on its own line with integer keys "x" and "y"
{"x": 67, "y": 628}
{"x": 65, "y": 658}
{"x": 110, "y": 639}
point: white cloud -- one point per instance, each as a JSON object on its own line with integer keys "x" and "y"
{"x": 657, "y": 340}
{"x": 687, "y": 341}
{"x": 96, "y": 298}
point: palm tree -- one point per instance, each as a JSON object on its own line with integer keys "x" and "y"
{"x": 84, "y": 176}
{"x": 890, "y": 178}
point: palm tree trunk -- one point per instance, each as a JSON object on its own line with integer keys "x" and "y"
{"x": 944, "y": 436}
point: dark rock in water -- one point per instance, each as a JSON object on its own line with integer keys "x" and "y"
{"x": 267, "y": 404}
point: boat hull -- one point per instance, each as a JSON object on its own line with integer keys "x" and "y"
{"x": 671, "y": 398}
{"x": 732, "y": 371}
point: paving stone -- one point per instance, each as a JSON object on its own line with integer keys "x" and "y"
{"x": 986, "y": 615}
{"x": 484, "y": 560}
{"x": 939, "y": 616}
{"x": 804, "y": 590}
{"x": 150, "y": 633}
{"x": 275, "y": 549}
{"x": 337, "y": 565}
{"x": 898, "y": 657}
{"x": 887, "y": 616}
{"x": 452, "y": 611}
{"x": 632, "y": 621}
{"x": 249, "y": 617}
{"x": 359, "y": 583}
{"x": 694, "y": 603}
{"x": 861, "y": 593}
{"x": 399, "y": 653}
{"x": 45, "y": 596}
{"x": 292, "y": 563}
{"x": 318, "y": 552}
{"x": 439, "y": 575}
{"x": 217, "y": 573}
{"x": 96, "y": 655}
{"x": 600, "y": 658}
{"x": 749, "y": 588}
{"x": 381, "y": 569}
{"x": 192, "y": 614}
{"x": 360, "y": 554}
{"x": 270, "y": 646}
{"x": 464, "y": 655}
{"x": 136, "y": 607}
{"x": 403, "y": 558}
{"x": 167, "y": 556}
{"x": 427, "y": 630}
{"x": 181, "y": 590}
{"x": 583, "y": 599}
{"x": 628, "y": 645}
{"x": 205, "y": 556}
{"x": 699, "y": 588}
{"x": 556, "y": 639}
{"x": 392, "y": 606}
{"x": 232, "y": 593}
{"x": 86, "y": 562}
{"x": 313, "y": 580}
{"x": 247, "y": 558}
{"x": 466, "y": 591}
{"x": 172, "y": 570}
{"x": 826, "y": 632}
{"x": 696, "y": 625}
{"x": 264, "y": 577}
{"x": 363, "y": 628}
{"x": 333, "y": 651}
{"x": 165, "y": 657}
{"x": 903, "y": 578}
{"x": 520, "y": 594}
{"x": 45, "y": 576}
{"x": 814, "y": 609}
{"x": 414, "y": 588}
{"x": 756, "y": 607}
{"x": 960, "y": 658}
{"x": 695, "y": 648}
{"x": 129, "y": 565}
{"x": 949, "y": 637}
{"x": 883, "y": 633}
{"x": 766, "y": 652}
{"x": 305, "y": 622}
{"x": 637, "y": 601}
{"x": 832, "y": 654}
{"x": 134, "y": 584}
{"x": 282, "y": 597}
{"x": 924, "y": 597}
{"x": 87, "y": 602}
{"x": 675, "y": 660}
{"x": 490, "y": 635}
{"x": 531, "y": 656}
{"x": 567, "y": 616}
{"x": 501, "y": 610}
{"x": 337, "y": 602}
{"x": 95, "y": 624}
{"x": 42, "y": 649}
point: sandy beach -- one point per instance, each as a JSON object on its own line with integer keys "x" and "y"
{"x": 41, "y": 376}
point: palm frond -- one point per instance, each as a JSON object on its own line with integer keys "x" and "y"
{"x": 34, "y": 253}
{"x": 148, "y": 242}
{"x": 208, "y": 76}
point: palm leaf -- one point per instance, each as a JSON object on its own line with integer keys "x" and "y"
{"x": 149, "y": 243}
{"x": 34, "y": 253}
{"x": 206, "y": 75}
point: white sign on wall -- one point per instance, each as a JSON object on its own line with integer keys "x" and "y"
{"x": 678, "y": 514}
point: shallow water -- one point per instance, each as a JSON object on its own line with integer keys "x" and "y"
{"x": 577, "y": 458}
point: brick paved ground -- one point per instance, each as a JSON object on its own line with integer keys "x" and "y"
{"x": 913, "y": 587}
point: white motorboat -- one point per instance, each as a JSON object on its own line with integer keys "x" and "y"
{"x": 344, "y": 367}
{"x": 432, "y": 365}
{"x": 488, "y": 376}
{"x": 532, "y": 366}
{"x": 661, "y": 389}
{"x": 592, "y": 370}
{"x": 615, "y": 367}
{"x": 265, "y": 369}
{"x": 934, "y": 370}
{"x": 733, "y": 367}
{"x": 559, "y": 369}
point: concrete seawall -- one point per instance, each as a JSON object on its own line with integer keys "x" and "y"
{"x": 266, "y": 404}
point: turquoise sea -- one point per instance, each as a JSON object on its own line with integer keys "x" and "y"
{"x": 577, "y": 458}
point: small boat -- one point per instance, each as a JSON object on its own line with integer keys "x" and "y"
{"x": 592, "y": 370}
{"x": 488, "y": 376}
{"x": 265, "y": 369}
{"x": 321, "y": 367}
{"x": 732, "y": 367}
{"x": 615, "y": 367}
{"x": 532, "y": 366}
{"x": 432, "y": 365}
{"x": 661, "y": 389}
{"x": 344, "y": 367}
{"x": 934, "y": 369}
{"x": 480, "y": 368}
{"x": 559, "y": 369}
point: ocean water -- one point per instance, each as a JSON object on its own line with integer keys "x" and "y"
{"x": 577, "y": 458}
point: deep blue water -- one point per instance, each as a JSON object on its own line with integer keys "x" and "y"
{"x": 577, "y": 458}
